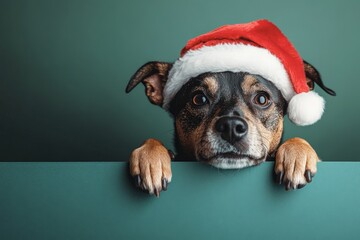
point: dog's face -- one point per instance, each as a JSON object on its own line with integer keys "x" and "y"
{"x": 229, "y": 120}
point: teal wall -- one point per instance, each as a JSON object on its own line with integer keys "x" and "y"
{"x": 92, "y": 200}
{"x": 64, "y": 66}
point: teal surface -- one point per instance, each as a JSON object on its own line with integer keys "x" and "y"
{"x": 64, "y": 66}
{"x": 98, "y": 201}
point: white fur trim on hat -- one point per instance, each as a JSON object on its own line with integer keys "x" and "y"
{"x": 227, "y": 57}
{"x": 306, "y": 108}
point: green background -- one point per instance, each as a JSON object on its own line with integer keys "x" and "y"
{"x": 96, "y": 200}
{"x": 64, "y": 66}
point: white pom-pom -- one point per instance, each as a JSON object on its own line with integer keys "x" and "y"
{"x": 306, "y": 108}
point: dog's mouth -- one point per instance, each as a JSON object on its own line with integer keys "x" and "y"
{"x": 232, "y": 160}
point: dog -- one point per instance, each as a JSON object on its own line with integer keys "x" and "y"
{"x": 227, "y": 119}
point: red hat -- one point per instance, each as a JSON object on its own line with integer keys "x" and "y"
{"x": 257, "y": 47}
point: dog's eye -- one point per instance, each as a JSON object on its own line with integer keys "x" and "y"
{"x": 262, "y": 99}
{"x": 199, "y": 99}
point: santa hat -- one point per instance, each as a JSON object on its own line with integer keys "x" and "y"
{"x": 257, "y": 47}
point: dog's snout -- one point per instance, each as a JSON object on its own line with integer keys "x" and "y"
{"x": 231, "y": 129}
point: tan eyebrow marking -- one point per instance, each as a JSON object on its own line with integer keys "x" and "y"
{"x": 249, "y": 81}
{"x": 212, "y": 84}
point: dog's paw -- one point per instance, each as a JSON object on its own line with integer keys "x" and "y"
{"x": 150, "y": 165}
{"x": 295, "y": 163}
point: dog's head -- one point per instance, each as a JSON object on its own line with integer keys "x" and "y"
{"x": 227, "y": 119}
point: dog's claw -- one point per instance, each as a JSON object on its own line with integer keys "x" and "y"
{"x": 279, "y": 177}
{"x": 300, "y": 186}
{"x": 308, "y": 176}
{"x": 157, "y": 192}
{"x": 137, "y": 179}
{"x": 171, "y": 153}
{"x": 288, "y": 186}
{"x": 164, "y": 184}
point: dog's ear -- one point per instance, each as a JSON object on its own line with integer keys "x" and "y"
{"x": 313, "y": 76}
{"x": 154, "y": 76}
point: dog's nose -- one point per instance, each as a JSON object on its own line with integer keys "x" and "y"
{"x": 231, "y": 129}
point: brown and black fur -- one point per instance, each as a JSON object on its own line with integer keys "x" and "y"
{"x": 230, "y": 128}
